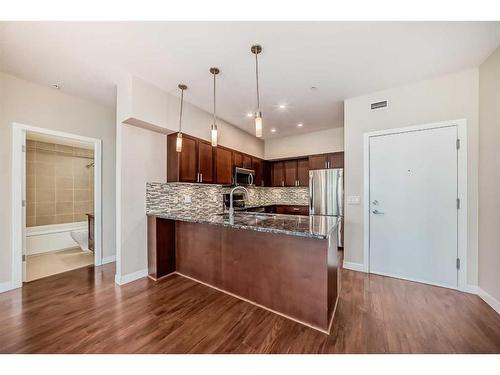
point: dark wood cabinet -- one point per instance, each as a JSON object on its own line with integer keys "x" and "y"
{"x": 318, "y": 161}
{"x": 277, "y": 174}
{"x": 303, "y": 172}
{"x": 205, "y": 162}
{"x": 336, "y": 160}
{"x": 290, "y": 172}
{"x": 161, "y": 247}
{"x": 292, "y": 210}
{"x": 326, "y": 161}
{"x": 238, "y": 159}
{"x": 202, "y": 163}
{"x": 223, "y": 166}
{"x": 259, "y": 175}
{"x": 247, "y": 161}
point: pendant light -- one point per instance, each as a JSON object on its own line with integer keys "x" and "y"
{"x": 213, "y": 131}
{"x": 256, "y": 49}
{"x": 178, "y": 143}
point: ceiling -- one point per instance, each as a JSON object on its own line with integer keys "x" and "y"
{"x": 341, "y": 59}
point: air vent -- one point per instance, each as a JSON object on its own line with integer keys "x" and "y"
{"x": 378, "y": 105}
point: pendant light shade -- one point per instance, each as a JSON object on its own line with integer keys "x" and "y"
{"x": 213, "y": 129}
{"x": 178, "y": 142}
{"x": 258, "y": 124}
{"x": 256, "y": 49}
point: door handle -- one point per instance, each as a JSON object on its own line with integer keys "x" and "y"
{"x": 377, "y": 212}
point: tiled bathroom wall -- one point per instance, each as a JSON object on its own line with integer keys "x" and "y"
{"x": 209, "y": 198}
{"x": 59, "y": 186}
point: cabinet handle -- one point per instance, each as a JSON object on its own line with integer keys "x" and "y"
{"x": 201, "y": 177}
{"x": 326, "y": 164}
{"x": 282, "y": 183}
{"x": 298, "y": 183}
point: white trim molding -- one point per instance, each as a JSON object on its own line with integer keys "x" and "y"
{"x": 489, "y": 299}
{"x": 109, "y": 259}
{"x": 128, "y": 278}
{"x": 18, "y": 163}
{"x": 461, "y": 125}
{"x": 360, "y": 267}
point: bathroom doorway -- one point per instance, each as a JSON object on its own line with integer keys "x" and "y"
{"x": 57, "y": 217}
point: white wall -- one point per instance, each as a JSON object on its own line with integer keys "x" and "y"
{"x": 323, "y": 141}
{"x": 147, "y": 106}
{"x": 445, "y": 98}
{"x": 36, "y": 105}
{"x": 489, "y": 176}
{"x": 144, "y": 115}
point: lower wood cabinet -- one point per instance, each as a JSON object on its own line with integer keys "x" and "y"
{"x": 161, "y": 247}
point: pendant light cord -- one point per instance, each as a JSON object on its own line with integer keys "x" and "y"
{"x": 215, "y": 117}
{"x": 180, "y": 116}
{"x": 257, "y": 78}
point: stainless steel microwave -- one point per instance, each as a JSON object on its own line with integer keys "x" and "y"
{"x": 243, "y": 176}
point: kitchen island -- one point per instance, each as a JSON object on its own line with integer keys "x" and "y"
{"x": 285, "y": 263}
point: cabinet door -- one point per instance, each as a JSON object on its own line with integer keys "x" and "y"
{"x": 188, "y": 163}
{"x": 278, "y": 178}
{"x": 303, "y": 172}
{"x": 247, "y": 162}
{"x": 318, "y": 161}
{"x": 238, "y": 159}
{"x": 205, "y": 162}
{"x": 336, "y": 160}
{"x": 257, "y": 166}
{"x": 290, "y": 172}
{"x": 223, "y": 166}
{"x": 267, "y": 172}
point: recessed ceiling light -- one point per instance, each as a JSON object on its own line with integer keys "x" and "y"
{"x": 282, "y": 106}
{"x": 313, "y": 88}
{"x": 249, "y": 114}
{"x": 57, "y": 86}
{"x": 273, "y": 130}
{"x": 300, "y": 124}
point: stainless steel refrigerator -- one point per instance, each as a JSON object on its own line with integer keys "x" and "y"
{"x": 326, "y": 194}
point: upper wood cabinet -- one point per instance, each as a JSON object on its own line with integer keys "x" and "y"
{"x": 242, "y": 160}
{"x": 195, "y": 163}
{"x": 238, "y": 159}
{"x": 303, "y": 172}
{"x": 205, "y": 162}
{"x": 278, "y": 174}
{"x": 290, "y": 168}
{"x": 259, "y": 175}
{"x": 182, "y": 166}
{"x": 223, "y": 166}
{"x": 326, "y": 161}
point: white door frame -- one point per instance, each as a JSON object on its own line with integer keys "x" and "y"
{"x": 18, "y": 137}
{"x": 461, "y": 125}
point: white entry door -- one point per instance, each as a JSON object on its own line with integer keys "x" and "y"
{"x": 413, "y": 205}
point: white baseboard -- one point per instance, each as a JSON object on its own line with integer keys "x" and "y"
{"x": 7, "y": 285}
{"x": 120, "y": 280}
{"x": 469, "y": 288}
{"x": 489, "y": 299}
{"x": 360, "y": 267}
{"x": 110, "y": 259}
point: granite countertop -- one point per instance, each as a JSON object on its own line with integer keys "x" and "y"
{"x": 320, "y": 227}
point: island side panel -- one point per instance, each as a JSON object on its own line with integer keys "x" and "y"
{"x": 334, "y": 261}
{"x": 161, "y": 247}
{"x": 285, "y": 273}
{"x": 198, "y": 252}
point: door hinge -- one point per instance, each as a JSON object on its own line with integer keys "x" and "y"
{"x": 24, "y": 258}
{"x": 23, "y": 148}
{"x": 458, "y": 263}
{"x": 23, "y": 203}
{"x": 458, "y": 144}
{"x": 458, "y": 203}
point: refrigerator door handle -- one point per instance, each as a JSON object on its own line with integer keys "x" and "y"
{"x": 311, "y": 194}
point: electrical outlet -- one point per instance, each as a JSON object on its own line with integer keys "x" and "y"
{"x": 353, "y": 199}
{"x": 187, "y": 199}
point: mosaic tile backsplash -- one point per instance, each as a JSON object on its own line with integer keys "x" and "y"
{"x": 209, "y": 198}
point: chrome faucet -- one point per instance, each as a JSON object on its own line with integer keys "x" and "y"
{"x": 231, "y": 209}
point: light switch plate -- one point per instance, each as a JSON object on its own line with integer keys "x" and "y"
{"x": 353, "y": 199}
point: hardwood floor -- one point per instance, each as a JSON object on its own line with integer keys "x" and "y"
{"x": 83, "y": 311}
